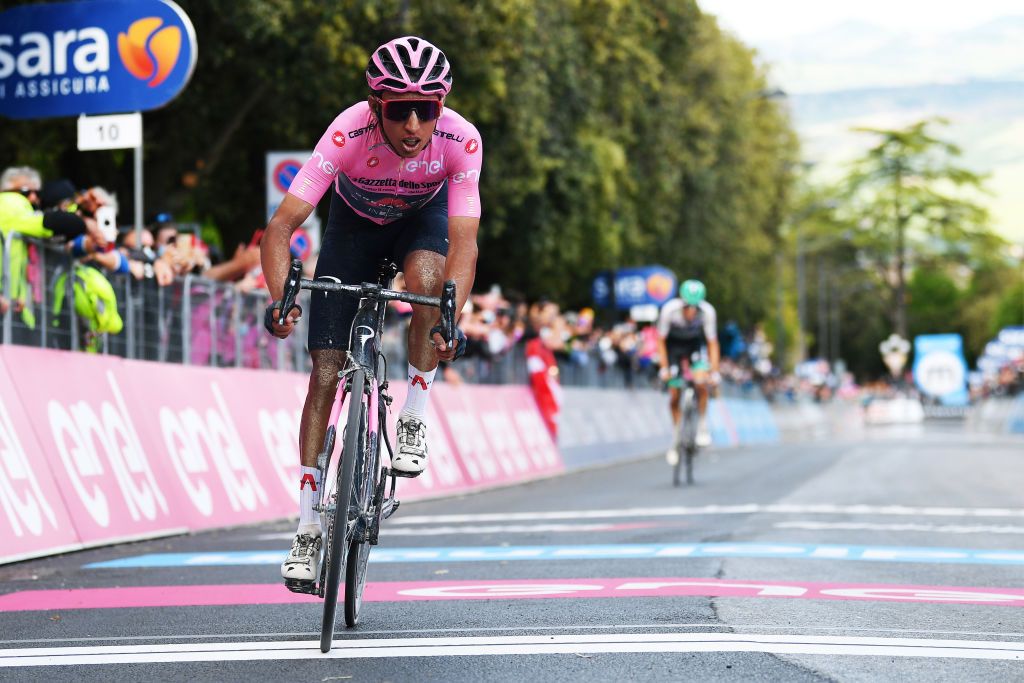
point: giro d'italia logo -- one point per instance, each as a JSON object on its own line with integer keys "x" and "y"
{"x": 150, "y": 52}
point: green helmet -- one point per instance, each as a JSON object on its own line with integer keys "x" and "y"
{"x": 692, "y": 292}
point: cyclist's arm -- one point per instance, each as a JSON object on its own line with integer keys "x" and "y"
{"x": 714, "y": 354}
{"x": 275, "y": 254}
{"x": 462, "y": 253}
{"x": 662, "y": 353}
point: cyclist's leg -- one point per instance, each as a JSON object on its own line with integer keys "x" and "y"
{"x": 349, "y": 253}
{"x": 700, "y": 375}
{"x": 421, "y": 250}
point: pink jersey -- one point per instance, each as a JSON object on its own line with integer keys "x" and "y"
{"x": 382, "y": 186}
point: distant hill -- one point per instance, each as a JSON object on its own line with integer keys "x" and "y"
{"x": 859, "y": 54}
{"x": 858, "y": 74}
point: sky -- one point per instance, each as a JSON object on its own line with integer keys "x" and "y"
{"x": 933, "y": 45}
{"x": 759, "y": 20}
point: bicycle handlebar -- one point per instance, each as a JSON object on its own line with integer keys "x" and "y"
{"x": 445, "y": 302}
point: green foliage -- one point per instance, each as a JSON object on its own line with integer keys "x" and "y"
{"x": 616, "y": 133}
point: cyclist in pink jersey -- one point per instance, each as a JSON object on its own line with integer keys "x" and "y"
{"x": 404, "y": 174}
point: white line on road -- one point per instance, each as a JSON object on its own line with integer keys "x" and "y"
{"x": 397, "y": 530}
{"x": 515, "y": 645}
{"x": 747, "y": 509}
{"x": 871, "y": 526}
{"x": 696, "y": 627}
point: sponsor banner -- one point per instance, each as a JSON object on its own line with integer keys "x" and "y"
{"x": 33, "y": 519}
{"x": 99, "y": 57}
{"x": 647, "y": 286}
{"x": 940, "y": 370}
{"x": 601, "y": 425}
{"x": 134, "y": 449}
{"x": 102, "y": 460}
{"x": 497, "y": 433}
{"x": 445, "y": 473}
{"x": 205, "y": 427}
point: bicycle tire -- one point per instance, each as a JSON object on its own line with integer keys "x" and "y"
{"x": 339, "y": 527}
{"x": 690, "y": 434}
{"x": 364, "y": 489}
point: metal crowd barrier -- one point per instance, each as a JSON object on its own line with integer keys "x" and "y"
{"x": 196, "y": 321}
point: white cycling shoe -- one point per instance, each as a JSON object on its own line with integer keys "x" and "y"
{"x": 303, "y": 561}
{"x": 411, "y": 459}
{"x": 672, "y": 457}
{"x": 703, "y": 433}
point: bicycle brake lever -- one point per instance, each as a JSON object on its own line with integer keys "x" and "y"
{"x": 291, "y": 289}
{"x": 448, "y": 311}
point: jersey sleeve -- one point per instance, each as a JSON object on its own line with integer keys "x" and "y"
{"x": 665, "y": 318}
{"x": 328, "y": 158}
{"x": 710, "y": 321}
{"x": 464, "y": 175}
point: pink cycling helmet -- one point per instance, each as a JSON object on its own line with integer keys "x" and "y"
{"x": 409, "y": 64}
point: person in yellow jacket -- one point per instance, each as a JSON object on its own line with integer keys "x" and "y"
{"x": 20, "y": 189}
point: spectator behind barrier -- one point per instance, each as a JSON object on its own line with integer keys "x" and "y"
{"x": 21, "y": 192}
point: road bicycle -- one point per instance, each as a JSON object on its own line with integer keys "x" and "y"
{"x": 364, "y": 489}
{"x": 685, "y": 436}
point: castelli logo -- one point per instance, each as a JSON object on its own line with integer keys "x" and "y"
{"x": 338, "y": 138}
{"x": 372, "y": 161}
{"x": 472, "y": 146}
{"x": 149, "y": 52}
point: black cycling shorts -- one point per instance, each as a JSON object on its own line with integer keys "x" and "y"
{"x": 351, "y": 251}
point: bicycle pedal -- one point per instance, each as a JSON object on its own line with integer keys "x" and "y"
{"x": 405, "y": 475}
{"x": 297, "y": 586}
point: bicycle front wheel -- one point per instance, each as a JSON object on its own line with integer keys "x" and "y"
{"x": 364, "y": 490}
{"x": 339, "y": 526}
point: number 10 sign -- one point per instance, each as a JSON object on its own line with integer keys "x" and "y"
{"x": 118, "y": 131}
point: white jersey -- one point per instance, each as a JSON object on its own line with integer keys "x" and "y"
{"x": 672, "y": 316}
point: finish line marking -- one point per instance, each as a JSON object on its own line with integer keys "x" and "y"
{"x": 596, "y": 552}
{"x": 748, "y": 509}
{"x": 514, "y": 645}
{"x": 127, "y": 597}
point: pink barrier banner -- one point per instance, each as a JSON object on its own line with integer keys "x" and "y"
{"x": 205, "y": 429}
{"x": 101, "y": 459}
{"x": 95, "y": 449}
{"x": 498, "y": 434}
{"x": 444, "y": 473}
{"x": 34, "y": 519}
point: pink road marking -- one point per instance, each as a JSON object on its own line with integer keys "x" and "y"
{"x": 265, "y": 594}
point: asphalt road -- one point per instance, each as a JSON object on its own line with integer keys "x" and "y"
{"x": 897, "y": 556}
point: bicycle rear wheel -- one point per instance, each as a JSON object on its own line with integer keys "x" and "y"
{"x": 338, "y": 530}
{"x": 364, "y": 490}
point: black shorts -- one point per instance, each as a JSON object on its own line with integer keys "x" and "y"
{"x": 352, "y": 249}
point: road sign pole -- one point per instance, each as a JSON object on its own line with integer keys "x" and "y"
{"x": 138, "y": 196}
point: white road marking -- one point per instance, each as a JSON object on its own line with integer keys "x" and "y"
{"x": 398, "y": 530}
{"x": 747, "y": 509}
{"x": 514, "y": 645}
{"x": 513, "y": 629}
{"x": 934, "y": 528}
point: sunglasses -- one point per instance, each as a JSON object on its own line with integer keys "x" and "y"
{"x": 399, "y": 110}
{"x": 26, "y": 191}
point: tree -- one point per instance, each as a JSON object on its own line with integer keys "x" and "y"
{"x": 909, "y": 199}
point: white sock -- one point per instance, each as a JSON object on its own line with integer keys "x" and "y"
{"x": 309, "y": 495}
{"x": 419, "y": 392}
